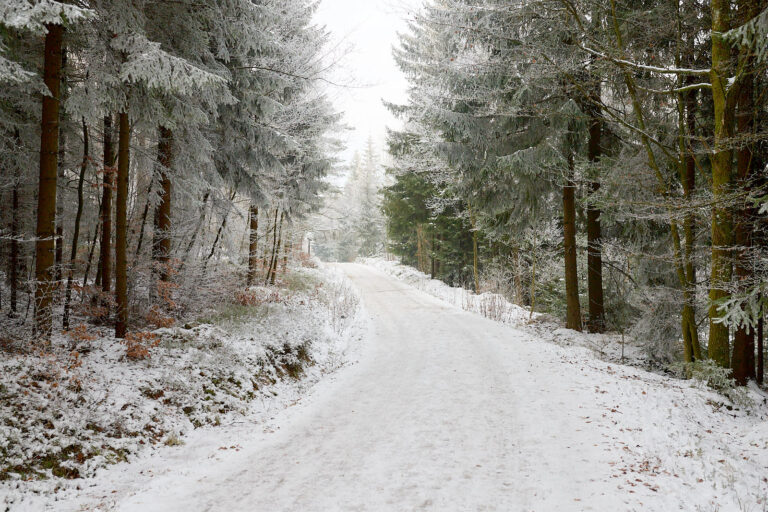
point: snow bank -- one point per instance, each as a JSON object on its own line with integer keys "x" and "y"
{"x": 69, "y": 411}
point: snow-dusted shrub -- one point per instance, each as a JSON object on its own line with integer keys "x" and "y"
{"x": 713, "y": 376}
{"x": 342, "y": 301}
{"x": 657, "y": 328}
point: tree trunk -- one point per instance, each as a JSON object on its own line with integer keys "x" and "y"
{"x": 474, "y": 248}
{"x": 46, "y": 205}
{"x": 594, "y": 241}
{"x": 142, "y": 229}
{"x": 253, "y": 244}
{"x": 533, "y": 283}
{"x": 13, "y": 262}
{"x": 760, "y": 363}
{"x": 287, "y": 246}
{"x": 105, "y": 247}
{"x": 277, "y": 251}
{"x": 274, "y": 246}
{"x": 96, "y": 233}
{"x": 743, "y": 356}
{"x": 432, "y": 258}
{"x": 121, "y": 228}
{"x": 573, "y": 315}
{"x": 721, "y": 160}
{"x": 76, "y": 229}
{"x": 687, "y": 106}
{"x": 161, "y": 243}
{"x": 61, "y": 180}
{"x": 518, "y": 280}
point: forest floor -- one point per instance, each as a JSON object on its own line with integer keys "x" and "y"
{"x": 446, "y": 410}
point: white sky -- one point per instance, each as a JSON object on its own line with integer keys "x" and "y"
{"x": 363, "y": 33}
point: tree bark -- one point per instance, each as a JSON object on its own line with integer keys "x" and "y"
{"x": 277, "y": 251}
{"x": 721, "y": 160}
{"x": 760, "y": 363}
{"x": 287, "y": 246}
{"x": 594, "y": 241}
{"x": 253, "y": 244}
{"x": 46, "y": 205}
{"x": 573, "y": 313}
{"x": 96, "y": 233}
{"x": 121, "y": 231}
{"x": 274, "y": 246}
{"x": 687, "y": 106}
{"x": 743, "y": 354}
{"x": 13, "y": 262}
{"x": 161, "y": 243}
{"x": 474, "y": 248}
{"x": 76, "y": 229}
{"x": 105, "y": 247}
{"x": 61, "y": 181}
{"x": 142, "y": 229}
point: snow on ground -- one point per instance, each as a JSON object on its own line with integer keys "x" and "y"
{"x": 445, "y": 410}
{"x": 70, "y": 416}
{"x": 494, "y": 306}
{"x": 719, "y": 435}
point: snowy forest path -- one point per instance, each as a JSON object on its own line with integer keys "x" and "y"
{"x": 444, "y": 411}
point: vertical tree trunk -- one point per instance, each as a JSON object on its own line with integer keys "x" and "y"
{"x": 277, "y": 251}
{"x": 13, "y": 261}
{"x": 76, "y": 229}
{"x": 253, "y": 244}
{"x": 105, "y": 247}
{"x": 474, "y": 248}
{"x": 274, "y": 246}
{"x": 594, "y": 242}
{"x": 142, "y": 228}
{"x": 432, "y": 257}
{"x": 161, "y": 243}
{"x": 721, "y": 160}
{"x": 687, "y": 106}
{"x": 743, "y": 357}
{"x": 121, "y": 228}
{"x": 61, "y": 180}
{"x": 265, "y": 250}
{"x": 96, "y": 233}
{"x": 46, "y": 205}
{"x": 760, "y": 357}
{"x": 518, "y": 280}
{"x": 573, "y": 314}
{"x": 533, "y": 283}
{"x": 287, "y": 246}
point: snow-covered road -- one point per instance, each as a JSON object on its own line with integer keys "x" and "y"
{"x": 443, "y": 411}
